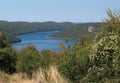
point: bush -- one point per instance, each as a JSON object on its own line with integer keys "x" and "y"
{"x": 28, "y": 60}
{"x": 7, "y": 60}
{"x": 74, "y": 65}
{"x": 106, "y": 52}
{"x": 50, "y": 57}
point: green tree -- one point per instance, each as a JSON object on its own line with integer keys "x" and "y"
{"x": 105, "y": 57}
{"x": 7, "y": 60}
{"x": 3, "y": 41}
{"x": 74, "y": 64}
{"x": 28, "y": 60}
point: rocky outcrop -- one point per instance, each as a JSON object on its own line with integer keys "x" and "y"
{"x": 91, "y": 29}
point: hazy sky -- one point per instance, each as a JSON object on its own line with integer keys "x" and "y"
{"x": 56, "y": 10}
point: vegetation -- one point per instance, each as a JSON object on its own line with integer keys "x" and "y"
{"x": 53, "y": 76}
{"x": 11, "y": 29}
{"x": 105, "y": 56}
{"x": 78, "y": 30}
{"x": 92, "y": 60}
{"x": 28, "y": 60}
{"x": 74, "y": 65}
{"x": 4, "y": 78}
{"x": 12, "y": 38}
{"x": 7, "y": 59}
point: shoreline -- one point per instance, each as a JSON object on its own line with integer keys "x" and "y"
{"x": 32, "y": 32}
{"x": 62, "y": 37}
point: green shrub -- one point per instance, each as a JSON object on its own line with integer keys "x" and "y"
{"x": 105, "y": 55}
{"x": 28, "y": 60}
{"x": 7, "y": 60}
{"x": 74, "y": 65}
{"x": 50, "y": 57}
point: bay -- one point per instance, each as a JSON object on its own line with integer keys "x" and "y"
{"x": 42, "y": 41}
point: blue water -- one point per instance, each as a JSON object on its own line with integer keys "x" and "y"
{"x": 41, "y": 41}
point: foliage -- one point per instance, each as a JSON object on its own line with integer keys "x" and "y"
{"x": 3, "y": 41}
{"x": 74, "y": 64}
{"x": 105, "y": 57}
{"x": 7, "y": 60}
{"x": 28, "y": 60}
{"x": 10, "y": 37}
{"x": 50, "y": 57}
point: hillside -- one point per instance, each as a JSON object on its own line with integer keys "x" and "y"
{"x": 15, "y": 28}
{"x": 12, "y": 38}
{"x": 76, "y": 31}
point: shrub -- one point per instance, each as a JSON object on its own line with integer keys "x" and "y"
{"x": 106, "y": 52}
{"x": 50, "y": 57}
{"x": 7, "y": 60}
{"x": 74, "y": 65}
{"x": 28, "y": 60}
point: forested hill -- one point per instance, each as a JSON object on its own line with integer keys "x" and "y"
{"x": 78, "y": 30}
{"x": 13, "y": 28}
{"x": 26, "y": 27}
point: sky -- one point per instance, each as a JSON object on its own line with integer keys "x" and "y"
{"x": 56, "y": 10}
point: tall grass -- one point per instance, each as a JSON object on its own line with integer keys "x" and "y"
{"x": 50, "y": 75}
{"x": 4, "y": 78}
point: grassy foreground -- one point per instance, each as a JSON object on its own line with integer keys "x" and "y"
{"x": 41, "y": 76}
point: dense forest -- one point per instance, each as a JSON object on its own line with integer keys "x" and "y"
{"x": 78, "y": 30}
{"x": 11, "y": 29}
{"x": 95, "y": 59}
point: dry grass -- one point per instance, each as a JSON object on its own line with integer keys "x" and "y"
{"x": 50, "y": 76}
{"x": 20, "y": 78}
{"x": 4, "y": 78}
{"x": 42, "y": 76}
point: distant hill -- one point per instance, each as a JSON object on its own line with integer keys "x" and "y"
{"x": 15, "y": 28}
{"x": 78, "y": 30}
